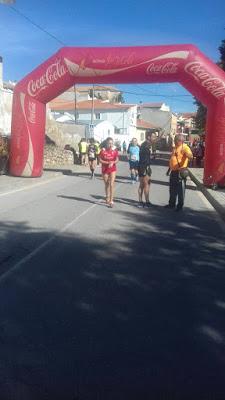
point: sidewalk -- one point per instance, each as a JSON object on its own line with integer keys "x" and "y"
{"x": 10, "y": 184}
{"x": 215, "y": 197}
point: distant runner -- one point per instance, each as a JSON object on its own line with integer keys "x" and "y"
{"x": 92, "y": 156}
{"x": 133, "y": 157}
{"x": 109, "y": 159}
{"x": 83, "y": 151}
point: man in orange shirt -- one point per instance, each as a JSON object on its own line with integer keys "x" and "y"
{"x": 179, "y": 160}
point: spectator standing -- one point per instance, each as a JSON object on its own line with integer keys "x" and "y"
{"x": 124, "y": 146}
{"x": 4, "y": 155}
{"x": 144, "y": 170}
{"x": 178, "y": 164}
{"x": 83, "y": 151}
{"x": 92, "y": 156}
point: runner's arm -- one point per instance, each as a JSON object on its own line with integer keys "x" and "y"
{"x": 111, "y": 163}
{"x": 104, "y": 162}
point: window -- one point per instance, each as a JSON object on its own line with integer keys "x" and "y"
{"x": 121, "y": 131}
{"x": 97, "y": 116}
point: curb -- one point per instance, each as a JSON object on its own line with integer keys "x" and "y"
{"x": 207, "y": 193}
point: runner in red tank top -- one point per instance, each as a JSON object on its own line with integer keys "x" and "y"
{"x": 109, "y": 159}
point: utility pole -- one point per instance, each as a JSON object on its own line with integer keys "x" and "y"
{"x": 92, "y": 112}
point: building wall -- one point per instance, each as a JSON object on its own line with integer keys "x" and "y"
{"x": 123, "y": 120}
{"x": 84, "y": 95}
{"x": 140, "y": 135}
{"x": 161, "y": 119}
{"x": 173, "y": 124}
{"x": 103, "y": 130}
{"x": 6, "y": 97}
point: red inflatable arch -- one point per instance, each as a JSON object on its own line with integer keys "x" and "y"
{"x": 149, "y": 64}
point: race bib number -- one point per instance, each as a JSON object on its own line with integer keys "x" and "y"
{"x": 92, "y": 154}
{"x": 133, "y": 157}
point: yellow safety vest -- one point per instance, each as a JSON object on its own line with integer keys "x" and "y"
{"x": 180, "y": 157}
{"x": 83, "y": 147}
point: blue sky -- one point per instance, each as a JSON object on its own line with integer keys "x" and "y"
{"x": 111, "y": 23}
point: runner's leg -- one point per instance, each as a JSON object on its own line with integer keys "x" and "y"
{"x": 136, "y": 174}
{"x": 132, "y": 174}
{"x": 141, "y": 188}
{"x": 111, "y": 186}
{"x": 107, "y": 183}
{"x": 147, "y": 188}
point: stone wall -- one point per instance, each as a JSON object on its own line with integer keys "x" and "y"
{"x": 55, "y": 156}
{"x": 63, "y": 134}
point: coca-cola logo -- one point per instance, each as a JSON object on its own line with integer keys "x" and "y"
{"x": 213, "y": 85}
{"x": 166, "y": 68}
{"x": 32, "y": 112}
{"x": 54, "y": 72}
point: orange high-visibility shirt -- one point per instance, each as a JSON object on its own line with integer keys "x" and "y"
{"x": 183, "y": 153}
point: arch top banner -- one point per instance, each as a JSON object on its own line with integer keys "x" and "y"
{"x": 146, "y": 64}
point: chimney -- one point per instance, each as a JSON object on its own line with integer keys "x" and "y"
{"x": 1, "y": 72}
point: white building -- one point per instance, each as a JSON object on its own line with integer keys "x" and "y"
{"x": 6, "y": 98}
{"x": 86, "y": 92}
{"x": 160, "y": 115}
{"x": 186, "y": 122}
{"x": 122, "y": 117}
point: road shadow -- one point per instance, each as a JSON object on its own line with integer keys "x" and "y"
{"x": 100, "y": 200}
{"x": 134, "y": 313}
{"x": 166, "y": 183}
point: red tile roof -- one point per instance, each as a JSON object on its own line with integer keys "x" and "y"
{"x": 145, "y": 124}
{"x": 188, "y": 115}
{"x": 60, "y": 105}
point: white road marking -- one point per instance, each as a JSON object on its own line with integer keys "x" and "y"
{"x": 47, "y": 242}
{"x": 32, "y": 186}
{"x": 44, "y": 244}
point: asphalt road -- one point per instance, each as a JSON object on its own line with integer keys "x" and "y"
{"x": 110, "y": 304}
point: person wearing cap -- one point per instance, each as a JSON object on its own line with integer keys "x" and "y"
{"x": 180, "y": 157}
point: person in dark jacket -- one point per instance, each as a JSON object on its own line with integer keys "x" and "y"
{"x": 144, "y": 170}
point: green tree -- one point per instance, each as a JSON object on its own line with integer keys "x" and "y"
{"x": 120, "y": 98}
{"x": 200, "y": 119}
{"x": 99, "y": 96}
{"x": 91, "y": 93}
{"x": 221, "y": 62}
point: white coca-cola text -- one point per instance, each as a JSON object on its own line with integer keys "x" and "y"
{"x": 32, "y": 112}
{"x": 54, "y": 72}
{"x": 167, "y": 68}
{"x": 213, "y": 85}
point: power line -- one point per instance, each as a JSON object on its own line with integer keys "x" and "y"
{"x": 37, "y": 25}
{"x": 152, "y": 94}
{"x": 64, "y": 44}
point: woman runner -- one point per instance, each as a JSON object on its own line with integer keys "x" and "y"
{"x": 109, "y": 159}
